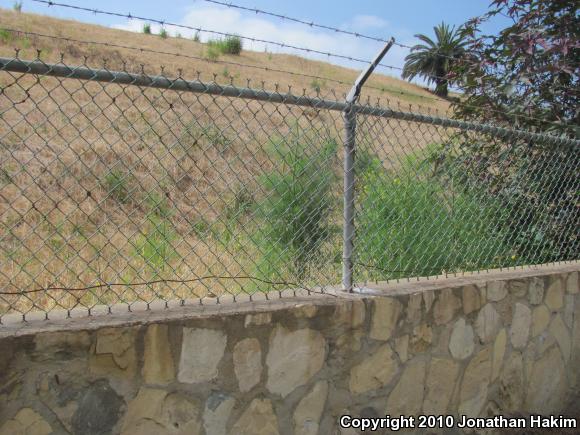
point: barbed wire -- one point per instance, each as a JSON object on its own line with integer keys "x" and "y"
{"x": 252, "y": 39}
{"x": 368, "y": 86}
{"x": 297, "y": 20}
{"x": 226, "y": 62}
{"x": 130, "y": 16}
{"x": 347, "y": 32}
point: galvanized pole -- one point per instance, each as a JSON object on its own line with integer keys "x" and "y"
{"x": 349, "y": 115}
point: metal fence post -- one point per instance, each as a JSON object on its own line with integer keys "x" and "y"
{"x": 349, "y": 115}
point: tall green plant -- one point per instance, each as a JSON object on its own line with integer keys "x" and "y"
{"x": 295, "y": 212}
{"x": 411, "y": 223}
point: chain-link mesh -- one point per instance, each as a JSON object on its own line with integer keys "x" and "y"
{"x": 106, "y": 186}
{"x": 128, "y": 188}
{"x": 433, "y": 199}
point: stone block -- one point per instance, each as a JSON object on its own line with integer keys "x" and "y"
{"x": 293, "y": 359}
{"x": 407, "y": 396}
{"x": 440, "y": 384}
{"x": 115, "y": 352}
{"x": 471, "y": 299}
{"x": 99, "y": 409}
{"x": 201, "y": 353}
{"x": 350, "y": 313}
{"x": 496, "y": 291}
{"x": 520, "y": 329}
{"x": 555, "y": 294}
{"x": 155, "y": 412}
{"x": 572, "y": 283}
{"x": 560, "y": 333}
{"x": 511, "y": 386}
{"x": 540, "y": 320}
{"x": 461, "y": 342}
{"x": 487, "y": 323}
{"x": 376, "y": 371}
{"x": 547, "y": 383}
{"x": 499, "y": 347}
{"x": 218, "y": 408}
{"x": 414, "y": 307}
{"x": 26, "y": 422}
{"x": 475, "y": 384}
{"x": 257, "y": 319}
{"x": 309, "y": 410}
{"x": 402, "y": 347}
{"x": 257, "y": 419}
{"x": 518, "y": 288}
{"x": 445, "y": 306}
{"x": 158, "y": 366}
{"x": 247, "y": 358}
{"x": 385, "y": 315}
{"x": 422, "y": 338}
{"x": 536, "y": 291}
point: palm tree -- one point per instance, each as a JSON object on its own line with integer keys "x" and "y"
{"x": 433, "y": 60}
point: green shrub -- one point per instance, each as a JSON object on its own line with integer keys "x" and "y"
{"x": 233, "y": 45}
{"x": 410, "y": 224}
{"x": 116, "y": 184}
{"x": 196, "y": 37}
{"x": 317, "y": 85}
{"x": 163, "y": 33}
{"x": 155, "y": 244}
{"x": 229, "y": 45}
{"x": 5, "y": 35}
{"x": 212, "y": 52}
{"x": 147, "y": 28}
{"x": 296, "y": 210}
{"x": 158, "y": 205}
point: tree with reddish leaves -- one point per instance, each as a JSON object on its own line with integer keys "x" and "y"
{"x": 528, "y": 75}
{"x": 525, "y": 77}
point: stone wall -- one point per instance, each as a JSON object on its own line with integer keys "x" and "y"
{"x": 504, "y": 342}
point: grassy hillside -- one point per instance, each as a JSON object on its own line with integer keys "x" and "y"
{"x": 103, "y": 183}
{"x": 395, "y": 90}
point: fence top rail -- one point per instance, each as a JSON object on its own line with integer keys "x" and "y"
{"x": 38, "y": 67}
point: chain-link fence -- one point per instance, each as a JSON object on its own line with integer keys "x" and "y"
{"x": 129, "y": 188}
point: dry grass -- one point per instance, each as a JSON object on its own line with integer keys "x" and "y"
{"x": 395, "y": 90}
{"x": 103, "y": 183}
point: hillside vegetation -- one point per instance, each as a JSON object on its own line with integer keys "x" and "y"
{"x": 103, "y": 183}
{"x": 395, "y": 90}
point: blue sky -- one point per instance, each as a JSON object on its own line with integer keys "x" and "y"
{"x": 381, "y": 18}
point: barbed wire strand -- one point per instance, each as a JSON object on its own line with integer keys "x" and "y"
{"x": 268, "y": 69}
{"x": 297, "y": 20}
{"x": 225, "y": 62}
{"x": 346, "y": 32}
{"x": 381, "y": 89}
{"x": 163, "y": 23}
{"x": 199, "y": 29}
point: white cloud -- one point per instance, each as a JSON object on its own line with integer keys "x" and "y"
{"x": 363, "y": 22}
{"x": 233, "y": 21}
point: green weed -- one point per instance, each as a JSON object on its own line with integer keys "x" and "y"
{"x": 5, "y": 36}
{"x": 228, "y": 45}
{"x": 212, "y": 53}
{"x": 296, "y": 211}
{"x": 116, "y": 184}
{"x": 147, "y": 28}
{"x": 155, "y": 244}
{"x": 411, "y": 223}
{"x": 317, "y": 85}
